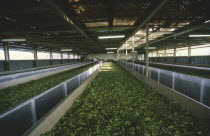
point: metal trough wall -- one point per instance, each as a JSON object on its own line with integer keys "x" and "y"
{"x": 20, "y": 119}
{"x": 194, "y": 87}
{"x": 14, "y": 79}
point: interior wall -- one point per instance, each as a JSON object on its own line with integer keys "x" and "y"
{"x": 108, "y": 56}
{"x": 101, "y": 56}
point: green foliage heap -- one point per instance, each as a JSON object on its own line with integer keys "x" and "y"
{"x": 12, "y": 96}
{"x": 117, "y": 103}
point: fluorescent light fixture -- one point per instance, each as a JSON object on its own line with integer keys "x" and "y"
{"x": 110, "y": 52}
{"x": 111, "y": 48}
{"x": 13, "y": 40}
{"x": 200, "y": 35}
{"x": 66, "y": 49}
{"x": 207, "y": 21}
{"x": 111, "y": 36}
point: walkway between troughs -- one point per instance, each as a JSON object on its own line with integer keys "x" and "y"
{"x": 116, "y": 103}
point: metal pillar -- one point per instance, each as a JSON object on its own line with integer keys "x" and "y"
{"x": 174, "y": 51}
{"x": 189, "y": 51}
{"x": 51, "y": 58}
{"x": 126, "y": 53}
{"x": 68, "y": 57}
{"x": 7, "y": 58}
{"x": 164, "y": 53}
{"x": 117, "y": 54}
{"x": 133, "y": 53}
{"x": 35, "y": 57}
{"x": 189, "y": 54}
{"x": 147, "y": 50}
{"x": 174, "y": 54}
{"x": 61, "y": 58}
{"x": 157, "y": 53}
{"x": 122, "y": 54}
{"x": 73, "y": 57}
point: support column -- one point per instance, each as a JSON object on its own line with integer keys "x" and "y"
{"x": 51, "y": 58}
{"x": 61, "y": 58}
{"x": 189, "y": 51}
{"x": 174, "y": 51}
{"x": 147, "y": 51}
{"x": 174, "y": 54}
{"x": 35, "y": 58}
{"x": 68, "y": 57}
{"x": 73, "y": 57}
{"x": 122, "y": 54}
{"x": 126, "y": 53}
{"x": 189, "y": 55}
{"x": 7, "y": 58}
{"x": 133, "y": 53}
{"x": 164, "y": 53}
{"x": 164, "y": 59}
{"x": 117, "y": 54}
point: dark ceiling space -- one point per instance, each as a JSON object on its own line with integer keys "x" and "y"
{"x": 76, "y": 24}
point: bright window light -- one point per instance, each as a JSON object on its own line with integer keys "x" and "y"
{"x": 2, "y": 57}
{"x": 111, "y": 48}
{"x": 110, "y": 52}
{"x": 200, "y": 35}
{"x": 42, "y": 55}
{"x": 13, "y": 40}
{"x": 111, "y": 36}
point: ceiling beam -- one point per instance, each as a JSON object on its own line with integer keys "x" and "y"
{"x": 60, "y": 12}
{"x": 146, "y": 20}
{"x": 111, "y": 6}
{"x": 154, "y": 12}
{"x": 191, "y": 29}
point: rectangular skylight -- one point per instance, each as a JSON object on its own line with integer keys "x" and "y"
{"x": 111, "y": 48}
{"x": 110, "y": 52}
{"x": 200, "y": 35}
{"x": 111, "y": 36}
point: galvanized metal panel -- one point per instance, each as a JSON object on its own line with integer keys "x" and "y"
{"x": 188, "y": 85}
{"x": 43, "y": 63}
{"x": 2, "y": 66}
{"x": 166, "y": 78}
{"x": 205, "y": 92}
{"x": 48, "y": 100}
{"x": 72, "y": 84}
{"x": 153, "y": 73}
{"x": 21, "y": 64}
{"x": 17, "y": 121}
